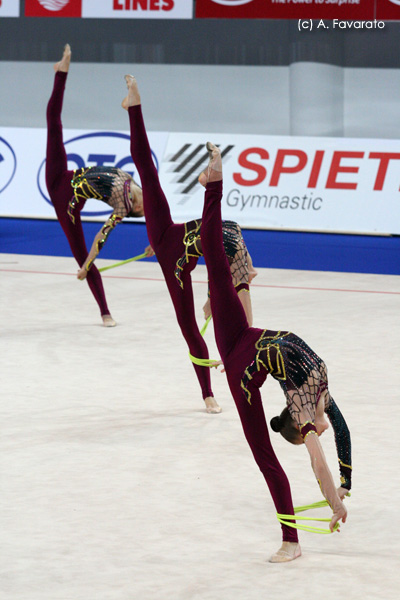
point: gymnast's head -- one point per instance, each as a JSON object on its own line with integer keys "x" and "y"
{"x": 287, "y": 427}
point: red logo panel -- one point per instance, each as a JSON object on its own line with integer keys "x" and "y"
{"x": 53, "y": 8}
{"x": 361, "y": 10}
{"x": 388, "y": 10}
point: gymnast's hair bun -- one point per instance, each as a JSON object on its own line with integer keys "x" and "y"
{"x": 276, "y": 424}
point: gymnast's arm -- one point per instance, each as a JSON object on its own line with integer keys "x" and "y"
{"x": 343, "y": 445}
{"x": 324, "y": 478}
{"x": 98, "y": 242}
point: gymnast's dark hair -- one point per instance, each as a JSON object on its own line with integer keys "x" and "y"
{"x": 285, "y": 425}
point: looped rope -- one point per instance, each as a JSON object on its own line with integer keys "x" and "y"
{"x": 297, "y": 509}
{"x": 203, "y": 362}
{"x": 123, "y": 262}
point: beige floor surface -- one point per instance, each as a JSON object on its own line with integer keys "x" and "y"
{"x": 115, "y": 483}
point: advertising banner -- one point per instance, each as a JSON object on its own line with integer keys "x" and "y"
{"x": 9, "y": 8}
{"x": 53, "y": 8}
{"x": 110, "y": 9}
{"x": 388, "y": 10}
{"x": 270, "y": 182}
{"x": 339, "y": 10}
{"x": 138, "y": 9}
{"x": 293, "y": 183}
{"x": 23, "y": 191}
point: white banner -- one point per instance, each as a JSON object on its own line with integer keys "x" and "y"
{"x": 293, "y": 183}
{"x": 270, "y": 182}
{"x": 9, "y": 8}
{"x": 23, "y": 191}
{"x": 137, "y": 9}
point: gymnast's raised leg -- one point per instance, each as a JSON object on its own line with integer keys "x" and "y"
{"x": 58, "y": 181}
{"x": 236, "y": 344}
{"x": 166, "y": 239}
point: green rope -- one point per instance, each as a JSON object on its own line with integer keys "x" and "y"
{"x": 204, "y": 328}
{"x": 123, "y": 262}
{"x": 284, "y": 518}
{"x": 203, "y": 362}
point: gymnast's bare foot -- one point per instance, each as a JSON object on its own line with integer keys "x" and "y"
{"x": 108, "y": 321}
{"x": 214, "y": 170}
{"x": 133, "y": 97}
{"x": 287, "y": 552}
{"x": 63, "y": 64}
{"x": 211, "y": 406}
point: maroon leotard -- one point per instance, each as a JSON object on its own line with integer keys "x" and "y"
{"x": 236, "y": 343}
{"x": 172, "y": 245}
{"x": 58, "y": 181}
{"x": 249, "y": 354}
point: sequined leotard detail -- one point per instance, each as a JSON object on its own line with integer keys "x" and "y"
{"x": 234, "y": 245}
{"x": 303, "y": 377}
{"x": 108, "y": 184}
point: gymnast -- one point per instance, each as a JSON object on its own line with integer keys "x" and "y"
{"x": 248, "y": 355}
{"x": 69, "y": 191}
{"x": 178, "y": 246}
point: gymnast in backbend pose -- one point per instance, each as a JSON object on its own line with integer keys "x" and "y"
{"x": 69, "y": 191}
{"x": 178, "y": 246}
{"x": 249, "y": 355}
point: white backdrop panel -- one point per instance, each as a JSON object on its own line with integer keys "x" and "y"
{"x": 270, "y": 182}
{"x": 299, "y": 183}
{"x": 23, "y": 191}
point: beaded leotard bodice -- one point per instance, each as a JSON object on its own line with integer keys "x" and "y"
{"x": 108, "y": 184}
{"x": 234, "y": 246}
{"x": 303, "y": 377}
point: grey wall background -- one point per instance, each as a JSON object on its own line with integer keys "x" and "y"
{"x": 238, "y": 76}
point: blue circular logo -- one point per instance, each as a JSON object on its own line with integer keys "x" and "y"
{"x": 8, "y": 164}
{"x": 108, "y": 151}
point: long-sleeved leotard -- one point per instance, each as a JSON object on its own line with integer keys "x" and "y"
{"x": 178, "y": 246}
{"x": 249, "y": 354}
{"x": 69, "y": 190}
{"x": 342, "y": 440}
{"x": 303, "y": 377}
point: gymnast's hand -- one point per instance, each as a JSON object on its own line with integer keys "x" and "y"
{"x": 82, "y": 274}
{"x": 339, "y": 514}
{"x": 342, "y": 492}
{"x": 149, "y": 251}
{"x": 217, "y": 364}
{"x": 207, "y": 309}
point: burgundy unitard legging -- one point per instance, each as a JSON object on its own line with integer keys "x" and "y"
{"x": 236, "y": 344}
{"x": 166, "y": 239}
{"x": 58, "y": 181}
